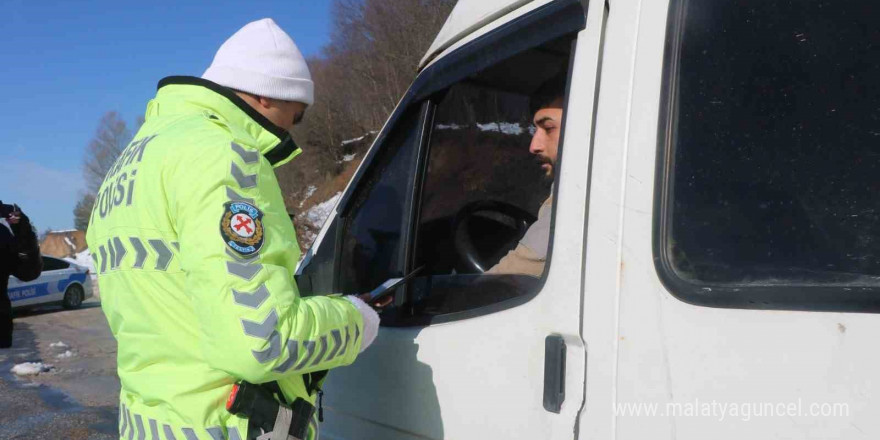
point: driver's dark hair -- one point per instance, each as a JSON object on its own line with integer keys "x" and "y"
{"x": 548, "y": 91}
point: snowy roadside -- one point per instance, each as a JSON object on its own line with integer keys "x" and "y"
{"x": 73, "y": 351}
{"x": 84, "y": 259}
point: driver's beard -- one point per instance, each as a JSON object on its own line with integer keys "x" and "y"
{"x": 549, "y": 176}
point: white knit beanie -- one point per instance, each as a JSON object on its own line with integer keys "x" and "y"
{"x": 263, "y": 60}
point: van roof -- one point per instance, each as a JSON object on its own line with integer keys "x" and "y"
{"x": 466, "y": 17}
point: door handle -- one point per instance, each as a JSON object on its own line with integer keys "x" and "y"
{"x": 554, "y": 373}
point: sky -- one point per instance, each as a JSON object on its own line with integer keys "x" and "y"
{"x": 66, "y": 63}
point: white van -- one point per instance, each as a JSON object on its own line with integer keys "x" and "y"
{"x": 713, "y": 268}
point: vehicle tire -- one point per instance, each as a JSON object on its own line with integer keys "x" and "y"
{"x": 73, "y": 296}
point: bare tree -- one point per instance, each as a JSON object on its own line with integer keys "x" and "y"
{"x": 111, "y": 138}
{"x": 374, "y": 51}
{"x": 82, "y": 211}
{"x": 372, "y": 56}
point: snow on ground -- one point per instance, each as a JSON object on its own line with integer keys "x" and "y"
{"x": 59, "y": 344}
{"x": 349, "y": 157}
{"x": 65, "y": 355}
{"x": 30, "y": 368}
{"x": 84, "y": 258}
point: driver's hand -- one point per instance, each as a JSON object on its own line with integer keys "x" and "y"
{"x": 382, "y": 303}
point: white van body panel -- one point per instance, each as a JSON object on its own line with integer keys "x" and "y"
{"x": 648, "y": 348}
{"x": 466, "y": 17}
{"x": 475, "y": 29}
{"x": 646, "y": 364}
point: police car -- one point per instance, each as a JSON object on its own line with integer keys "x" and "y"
{"x": 61, "y": 282}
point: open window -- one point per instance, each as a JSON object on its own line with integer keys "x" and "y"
{"x": 450, "y": 186}
{"x": 486, "y": 200}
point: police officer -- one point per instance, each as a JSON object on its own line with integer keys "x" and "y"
{"x": 19, "y": 256}
{"x": 195, "y": 251}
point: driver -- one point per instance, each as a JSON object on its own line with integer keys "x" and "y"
{"x": 530, "y": 254}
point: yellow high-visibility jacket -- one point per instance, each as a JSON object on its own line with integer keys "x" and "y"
{"x": 195, "y": 254}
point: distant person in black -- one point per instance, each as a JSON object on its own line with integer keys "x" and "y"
{"x": 19, "y": 256}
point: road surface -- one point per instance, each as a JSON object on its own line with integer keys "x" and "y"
{"x": 77, "y": 399}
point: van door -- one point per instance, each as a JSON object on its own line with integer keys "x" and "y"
{"x": 737, "y": 144}
{"x": 450, "y": 187}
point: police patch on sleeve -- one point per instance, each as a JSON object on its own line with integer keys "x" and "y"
{"x": 242, "y": 227}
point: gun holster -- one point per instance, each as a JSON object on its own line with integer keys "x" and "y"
{"x": 269, "y": 419}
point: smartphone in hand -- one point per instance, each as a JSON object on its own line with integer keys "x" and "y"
{"x": 387, "y": 288}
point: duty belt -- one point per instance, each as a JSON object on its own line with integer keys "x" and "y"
{"x": 276, "y": 420}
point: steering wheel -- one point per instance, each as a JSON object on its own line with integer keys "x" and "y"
{"x": 517, "y": 218}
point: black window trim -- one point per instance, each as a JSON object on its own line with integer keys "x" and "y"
{"x": 778, "y": 297}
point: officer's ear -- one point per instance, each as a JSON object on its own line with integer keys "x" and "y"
{"x": 265, "y": 103}
{"x": 258, "y": 102}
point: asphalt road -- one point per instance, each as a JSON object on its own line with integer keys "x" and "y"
{"x": 77, "y": 399}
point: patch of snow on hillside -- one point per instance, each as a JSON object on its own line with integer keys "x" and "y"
{"x": 318, "y": 213}
{"x": 58, "y": 344}
{"x": 314, "y": 218}
{"x": 449, "y": 126}
{"x": 358, "y": 139}
{"x": 502, "y": 127}
{"x": 512, "y": 128}
{"x": 349, "y": 141}
{"x": 309, "y": 191}
{"x": 349, "y": 157}
{"x": 69, "y": 243}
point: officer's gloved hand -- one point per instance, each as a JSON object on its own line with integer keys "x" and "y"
{"x": 371, "y": 321}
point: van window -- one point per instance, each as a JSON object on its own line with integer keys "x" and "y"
{"x": 482, "y": 186}
{"x": 769, "y": 168}
{"x": 377, "y": 220}
{"x": 482, "y": 235}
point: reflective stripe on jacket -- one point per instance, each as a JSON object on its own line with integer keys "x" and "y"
{"x": 197, "y": 302}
